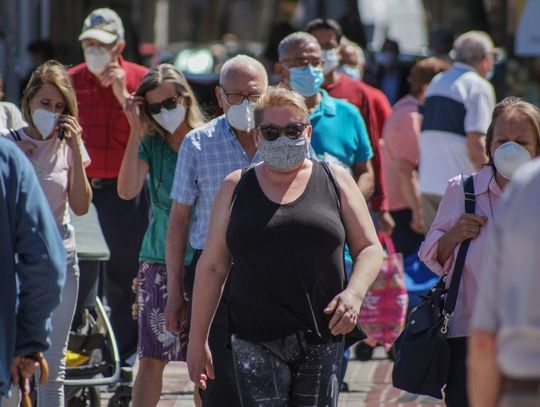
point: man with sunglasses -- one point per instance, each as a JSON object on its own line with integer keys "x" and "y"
{"x": 102, "y": 84}
{"x": 207, "y": 155}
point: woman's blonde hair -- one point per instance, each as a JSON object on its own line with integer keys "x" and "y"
{"x": 513, "y": 105}
{"x": 169, "y": 73}
{"x": 49, "y": 73}
{"x": 278, "y": 96}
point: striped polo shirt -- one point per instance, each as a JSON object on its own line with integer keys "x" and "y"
{"x": 457, "y": 102}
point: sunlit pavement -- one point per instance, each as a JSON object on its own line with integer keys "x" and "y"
{"x": 369, "y": 386}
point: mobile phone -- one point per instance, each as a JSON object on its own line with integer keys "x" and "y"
{"x": 61, "y": 129}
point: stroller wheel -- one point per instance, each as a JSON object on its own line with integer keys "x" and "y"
{"x": 121, "y": 397}
{"x": 86, "y": 397}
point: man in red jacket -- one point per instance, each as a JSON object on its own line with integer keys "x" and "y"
{"x": 374, "y": 108}
{"x": 102, "y": 84}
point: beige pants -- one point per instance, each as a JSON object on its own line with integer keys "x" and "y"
{"x": 430, "y": 204}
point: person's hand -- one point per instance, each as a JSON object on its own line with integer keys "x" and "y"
{"x": 23, "y": 367}
{"x": 72, "y": 131}
{"x": 115, "y": 76}
{"x": 468, "y": 226}
{"x": 134, "y": 104}
{"x": 200, "y": 365}
{"x": 417, "y": 223}
{"x": 28, "y": 147}
{"x": 344, "y": 309}
{"x": 176, "y": 311}
{"x": 386, "y": 223}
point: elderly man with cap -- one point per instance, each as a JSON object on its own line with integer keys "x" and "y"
{"x": 102, "y": 84}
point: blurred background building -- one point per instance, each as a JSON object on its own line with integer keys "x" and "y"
{"x": 198, "y": 35}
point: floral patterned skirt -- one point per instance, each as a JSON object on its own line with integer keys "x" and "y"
{"x": 154, "y": 340}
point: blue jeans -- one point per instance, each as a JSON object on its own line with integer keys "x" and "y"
{"x": 287, "y": 372}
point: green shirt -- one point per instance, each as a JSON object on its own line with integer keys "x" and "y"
{"x": 161, "y": 160}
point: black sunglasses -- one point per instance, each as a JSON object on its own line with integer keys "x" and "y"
{"x": 292, "y": 130}
{"x": 169, "y": 104}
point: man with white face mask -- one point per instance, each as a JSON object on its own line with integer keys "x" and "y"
{"x": 102, "y": 84}
{"x": 207, "y": 155}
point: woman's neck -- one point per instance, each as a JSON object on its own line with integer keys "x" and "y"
{"x": 501, "y": 181}
{"x": 175, "y": 139}
{"x": 33, "y": 133}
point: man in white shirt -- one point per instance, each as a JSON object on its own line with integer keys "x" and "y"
{"x": 457, "y": 113}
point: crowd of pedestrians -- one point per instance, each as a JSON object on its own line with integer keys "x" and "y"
{"x": 251, "y": 238}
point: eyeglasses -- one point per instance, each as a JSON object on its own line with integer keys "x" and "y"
{"x": 292, "y": 130}
{"x": 302, "y": 62}
{"x": 169, "y": 104}
{"x": 238, "y": 98}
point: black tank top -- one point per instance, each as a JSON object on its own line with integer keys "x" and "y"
{"x": 288, "y": 260}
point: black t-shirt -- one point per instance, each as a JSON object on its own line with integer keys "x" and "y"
{"x": 288, "y": 260}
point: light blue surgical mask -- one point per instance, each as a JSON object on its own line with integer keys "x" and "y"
{"x": 306, "y": 80}
{"x": 350, "y": 70}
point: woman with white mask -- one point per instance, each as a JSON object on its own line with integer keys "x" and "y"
{"x": 52, "y": 142}
{"x": 513, "y": 138}
{"x": 161, "y": 112}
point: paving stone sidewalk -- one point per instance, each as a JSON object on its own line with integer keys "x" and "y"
{"x": 369, "y": 386}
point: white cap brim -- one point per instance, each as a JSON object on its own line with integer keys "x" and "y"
{"x": 100, "y": 35}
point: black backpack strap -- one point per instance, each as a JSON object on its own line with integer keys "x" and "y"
{"x": 15, "y": 134}
{"x": 470, "y": 207}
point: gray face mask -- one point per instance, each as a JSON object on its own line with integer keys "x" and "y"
{"x": 283, "y": 154}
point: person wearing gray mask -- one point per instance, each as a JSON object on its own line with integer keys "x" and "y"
{"x": 283, "y": 222}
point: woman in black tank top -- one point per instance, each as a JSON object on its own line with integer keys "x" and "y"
{"x": 280, "y": 229}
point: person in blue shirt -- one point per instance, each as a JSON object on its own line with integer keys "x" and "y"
{"x": 32, "y": 265}
{"x": 339, "y": 132}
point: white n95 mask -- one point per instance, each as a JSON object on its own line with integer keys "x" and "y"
{"x": 241, "y": 116}
{"x": 171, "y": 119}
{"x": 508, "y": 157}
{"x": 44, "y": 121}
{"x": 97, "y": 58}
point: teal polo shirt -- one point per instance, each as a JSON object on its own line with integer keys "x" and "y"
{"x": 339, "y": 132}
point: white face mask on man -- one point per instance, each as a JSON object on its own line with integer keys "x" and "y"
{"x": 241, "y": 116}
{"x": 97, "y": 58}
{"x": 44, "y": 121}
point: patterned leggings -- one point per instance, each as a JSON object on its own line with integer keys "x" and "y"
{"x": 287, "y": 372}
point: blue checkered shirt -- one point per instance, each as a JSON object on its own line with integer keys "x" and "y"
{"x": 207, "y": 155}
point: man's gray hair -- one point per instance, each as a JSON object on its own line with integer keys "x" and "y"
{"x": 472, "y": 47}
{"x": 242, "y": 62}
{"x": 293, "y": 40}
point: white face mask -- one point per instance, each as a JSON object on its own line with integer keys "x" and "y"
{"x": 171, "y": 119}
{"x": 350, "y": 70}
{"x": 97, "y": 58}
{"x": 241, "y": 116}
{"x": 44, "y": 121}
{"x": 331, "y": 60}
{"x": 509, "y": 157}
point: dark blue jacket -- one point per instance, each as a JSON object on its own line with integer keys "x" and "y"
{"x": 32, "y": 261}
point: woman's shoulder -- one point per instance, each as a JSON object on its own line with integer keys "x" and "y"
{"x": 458, "y": 180}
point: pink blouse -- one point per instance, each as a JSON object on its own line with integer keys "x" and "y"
{"x": 488, "y": 195}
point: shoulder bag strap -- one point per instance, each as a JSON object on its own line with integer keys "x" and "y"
{"x": 470, "y": 206}
{"x": 15, "y": 134}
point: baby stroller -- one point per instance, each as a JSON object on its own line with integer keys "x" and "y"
{"x": 93, "y": 359}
